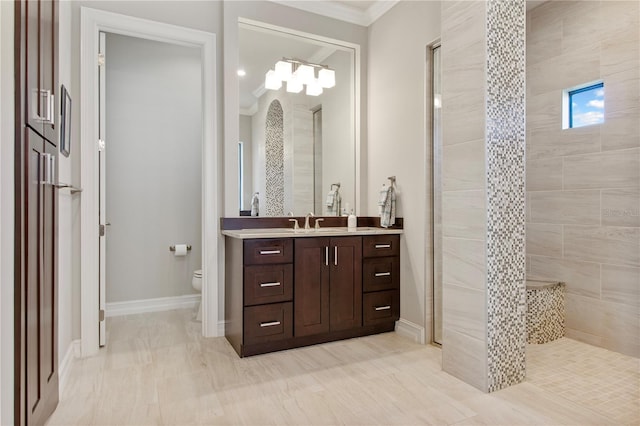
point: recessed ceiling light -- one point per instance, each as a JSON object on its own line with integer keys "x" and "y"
{"x": 242, "y": 73}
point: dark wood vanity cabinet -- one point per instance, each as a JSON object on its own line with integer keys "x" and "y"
{"x": 292, "y": 292}
{"x": 381, "y": 279}
{"x": 328, "y": 285}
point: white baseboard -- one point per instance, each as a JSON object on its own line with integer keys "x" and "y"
{"x": 411, "y": 330}
{"x": 221, "y": 325}
{"x": 73, "y": 352}
{"x": 131, "y": 307}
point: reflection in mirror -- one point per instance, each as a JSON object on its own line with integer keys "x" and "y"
{"x": 295, "y": 146}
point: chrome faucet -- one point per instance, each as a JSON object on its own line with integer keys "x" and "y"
{"x": 318, "y": 220}
{"x": 306, "y": 220}
{"x": 295, "y": 224}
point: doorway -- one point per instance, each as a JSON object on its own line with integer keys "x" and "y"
{"x": 92, "y": 23}
{"x": 150, "y": 174}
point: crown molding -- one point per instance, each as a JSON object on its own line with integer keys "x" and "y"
{"x": 341, "y": 11}
{"x": 378, "y": 9}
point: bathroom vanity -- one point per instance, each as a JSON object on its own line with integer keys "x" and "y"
{"x": 285, "y": 289}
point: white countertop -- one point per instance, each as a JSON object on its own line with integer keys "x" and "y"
{"x": 302, "y": 233}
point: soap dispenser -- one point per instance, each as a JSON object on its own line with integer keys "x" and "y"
{"x": 352, "y": 221}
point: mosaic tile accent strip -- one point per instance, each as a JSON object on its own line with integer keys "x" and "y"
{"x": 274, "y": 160}
{"x": 505, "y": 156}
{"x": 545, "y": 313}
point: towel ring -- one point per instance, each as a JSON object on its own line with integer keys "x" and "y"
{"x": 392, "y": 179}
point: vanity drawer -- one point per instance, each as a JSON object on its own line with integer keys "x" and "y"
{"x": 380, "y": 245}
{"x": 268, "y": 251}
{"x": 268, "y": 284}
{"x": 381, "y": 306}
{"x": 266, "y": 323}
{"x": 381, "y": 273}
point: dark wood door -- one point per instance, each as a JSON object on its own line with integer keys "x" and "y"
{"x": 39, "y": 310}
{"x": 345, "y": 283}
{"x": 311, "y": 286}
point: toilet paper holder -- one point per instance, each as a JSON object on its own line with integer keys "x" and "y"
{"x": 173, "y": 248}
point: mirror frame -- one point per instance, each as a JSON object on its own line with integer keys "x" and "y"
{"x": 231, "y": 99}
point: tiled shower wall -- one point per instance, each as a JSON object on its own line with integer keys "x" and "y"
{"x": 483, "y": 210}
{"x": 583, "y": 185}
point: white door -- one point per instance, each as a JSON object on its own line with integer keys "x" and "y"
{"x": 102, "y": 178}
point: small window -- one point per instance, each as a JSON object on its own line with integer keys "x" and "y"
{"x": 584, "y": 106}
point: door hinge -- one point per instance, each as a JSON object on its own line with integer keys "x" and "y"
{"x": 101, "y": 314}
{"x": 101, "y": 230}
{"x": 101, "y": 145}
{"x": 100, "y": 59}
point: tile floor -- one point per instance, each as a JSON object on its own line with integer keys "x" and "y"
{"x": 157, "y": 369}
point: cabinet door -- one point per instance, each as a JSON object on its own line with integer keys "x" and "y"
{"x": 41, "y": 103}
{"x": 34, "y": 102}
{"x": 311, "y": 286}
{"x": 49, "y": 66}
{"x": 345, "y": 283}
{"x": 40, "y": 306}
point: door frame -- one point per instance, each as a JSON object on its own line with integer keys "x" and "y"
{"x": 92, "y": 22}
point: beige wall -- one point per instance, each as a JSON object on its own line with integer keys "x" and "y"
{"x": 398, "y": 141}
{"x": 583, "y": 185}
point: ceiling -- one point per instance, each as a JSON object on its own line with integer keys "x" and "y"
{"x": 361, "y": 12}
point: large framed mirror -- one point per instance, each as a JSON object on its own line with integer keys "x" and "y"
{"x": 297, "y": 152}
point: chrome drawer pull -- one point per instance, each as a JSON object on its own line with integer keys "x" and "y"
{"x": 382, "y": 274}
{"x": 269, "y": 324}
{"x": 382, "y": 308}
{"x": 269, "y": 251}
{"x": 269, "y": 284}
{"x": 380, "y": 246}
{"x": 326, "y": 256}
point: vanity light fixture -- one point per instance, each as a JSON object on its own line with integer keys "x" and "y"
{"x": 297, "y": 74}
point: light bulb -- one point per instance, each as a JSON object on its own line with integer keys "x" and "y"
{"x": 284, "y": 70}
{"x": 314, "y": 88}
{"x": 305, "y": 74}
{"x": 327, "y": 78}
{"x": 271, "y": 81}
{"x": 294, "y": 85}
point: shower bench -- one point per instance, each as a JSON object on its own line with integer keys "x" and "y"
{"x": 545, "y": 310}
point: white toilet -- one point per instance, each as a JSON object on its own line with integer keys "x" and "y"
{"x": 196, "y": 282}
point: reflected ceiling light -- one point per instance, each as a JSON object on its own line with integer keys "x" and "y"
{"x": 294, "y": 85}
{"x": 272, "y": 81}
{"x": 314, "y": 88}
{"x": 284, "y": 70}
{"x": 241, "y": 73}
{"x": 297, "y": 74}
{"x": 327, "y": 78}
